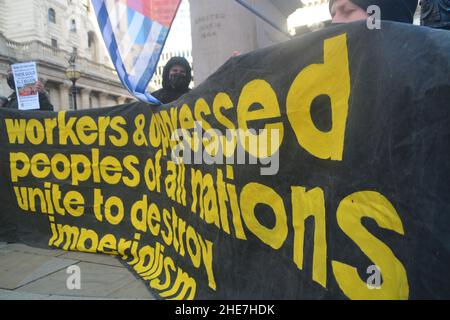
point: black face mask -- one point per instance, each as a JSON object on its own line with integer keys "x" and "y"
{"x": 177, "y": 81}
{"x": 10, "y": 81}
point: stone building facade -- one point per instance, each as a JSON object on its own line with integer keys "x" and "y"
{"x": 47, "y": 31}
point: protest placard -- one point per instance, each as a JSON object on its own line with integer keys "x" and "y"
{"x": 25, "y": 78}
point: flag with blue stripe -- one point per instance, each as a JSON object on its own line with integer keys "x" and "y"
{"x": 134, "y": 32}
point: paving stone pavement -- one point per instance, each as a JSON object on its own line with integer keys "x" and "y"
{"x": 28, "y": 273}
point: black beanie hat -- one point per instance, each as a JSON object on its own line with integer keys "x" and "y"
{"x": 393, "y": 10}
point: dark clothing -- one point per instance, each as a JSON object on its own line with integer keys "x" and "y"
{"x": 3, "y": 101}
{"x": 168, "y": 93}
{"x": 392, "y": 10}
{"x": 44, "y": 102}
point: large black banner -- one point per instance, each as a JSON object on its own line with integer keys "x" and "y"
{"x": 315, "y": 169}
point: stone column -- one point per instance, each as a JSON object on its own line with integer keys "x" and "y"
{"x": 64, "y": 90}
{"x": 121, "y": 100}
{"x": 51, "y": 93}
{"x": 85, "y": 94}
{"x": 103, "y": 100}
{"x": 221, "y": 27}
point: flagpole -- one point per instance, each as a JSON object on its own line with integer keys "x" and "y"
{"x": 248, "y": 7}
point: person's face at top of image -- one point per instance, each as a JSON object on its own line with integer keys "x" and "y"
{"x": 345, "y": 11}
{"x": 177, "y": 69}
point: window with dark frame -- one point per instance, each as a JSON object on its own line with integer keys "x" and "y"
{"x": 51, "y": 15}
{"x": 73, "y": 25}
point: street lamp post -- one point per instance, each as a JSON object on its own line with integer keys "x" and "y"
{"x": 73, "y": 75}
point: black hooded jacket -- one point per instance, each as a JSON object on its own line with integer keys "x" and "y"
{"x": 168, "y": 94}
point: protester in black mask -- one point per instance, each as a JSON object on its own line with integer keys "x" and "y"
{"x": 176, "y": 78}
{"x": 345, "y": 11}
{"x": 11, "y": 101}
